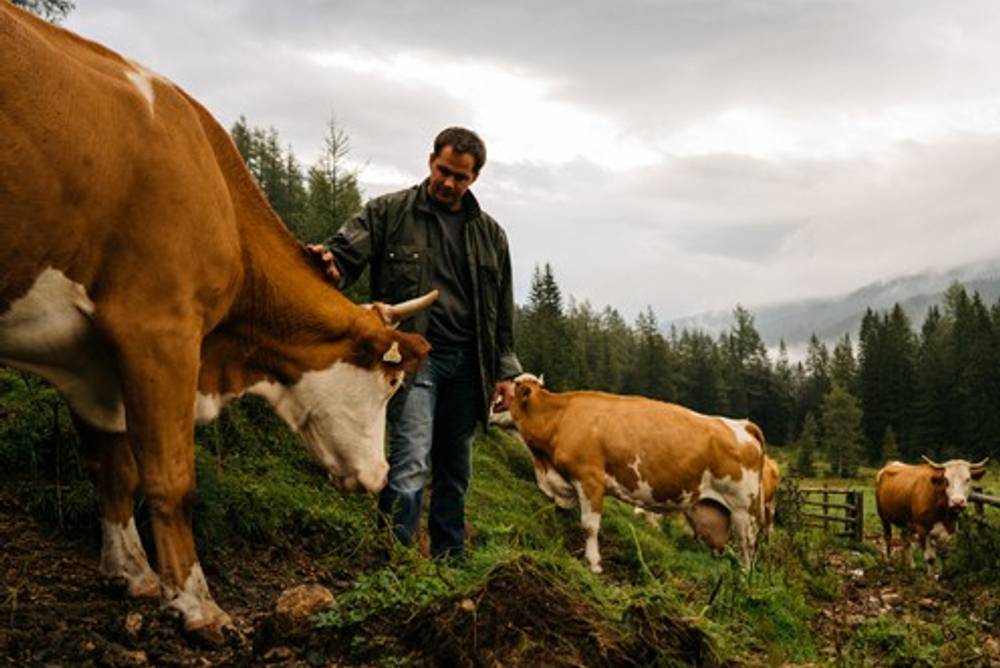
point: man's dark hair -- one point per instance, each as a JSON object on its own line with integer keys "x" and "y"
{"x": 462, "y": 141}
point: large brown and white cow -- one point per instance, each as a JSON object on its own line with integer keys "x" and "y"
{"x": 654, "y": 455}
{"x": 924, "y": 500}
{"x": 144, "y": 275}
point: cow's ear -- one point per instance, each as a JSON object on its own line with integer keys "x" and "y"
{"x": 523, "y": 392}
{"x": 977, "y": 474}
{"x": 938, "y": 478}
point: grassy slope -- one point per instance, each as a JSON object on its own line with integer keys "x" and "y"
{"x": 525, "y": 596}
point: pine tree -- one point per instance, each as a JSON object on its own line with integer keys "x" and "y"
{"x": 842, "y": 432}
{"x": 804, "y": 466}
{"x": 700, "y": 374}
{"x": 890, "y": 448}
{"x": 334, "y": 195}
{"x": 652, "y": 374}
{"x": 782, "y": 399}
{"x": 935, "y": 380}
{"x": 542, "y": 337}
{"x": 843, "y": 367}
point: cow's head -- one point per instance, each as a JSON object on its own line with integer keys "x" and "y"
{"x": 339, "y": 408}
{"x": 955, "y": 478}
{"x": 526, "y": 387}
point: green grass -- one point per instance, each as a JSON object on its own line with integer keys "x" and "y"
{"x": 663, "y": 600}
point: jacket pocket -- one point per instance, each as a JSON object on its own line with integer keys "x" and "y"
{"x": 403, "y": 269}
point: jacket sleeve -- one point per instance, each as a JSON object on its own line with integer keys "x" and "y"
{"x": 357, "y": 241}
{"x": 508, "y": 365}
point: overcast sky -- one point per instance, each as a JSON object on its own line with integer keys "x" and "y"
{"x": 685, "y": 155}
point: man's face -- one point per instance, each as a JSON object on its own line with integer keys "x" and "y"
{"x": 451, "y": 175}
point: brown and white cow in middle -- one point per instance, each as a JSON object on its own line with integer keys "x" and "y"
{"x": 651, "y": 454}
{"x": 924, "y": 499}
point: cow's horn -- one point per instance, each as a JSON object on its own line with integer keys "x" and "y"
{"x": 396, "y": 312}
{"x": 980, "y": 465}
{"x": 932, "y": 462}
{"x": 392, "y": 354}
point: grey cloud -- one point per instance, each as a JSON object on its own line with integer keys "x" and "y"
{"x": 688, "y": 233}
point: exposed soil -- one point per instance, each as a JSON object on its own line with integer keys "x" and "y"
{"x": 56, "y": 611}
{"x": 909, "y": 595}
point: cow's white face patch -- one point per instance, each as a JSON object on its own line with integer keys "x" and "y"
{"x": 959, "y": 480}
{"x": 49, "y": 332}
{"x": 340, "y": 413}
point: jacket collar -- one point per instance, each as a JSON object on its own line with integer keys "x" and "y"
{"x": 469, "y": 202}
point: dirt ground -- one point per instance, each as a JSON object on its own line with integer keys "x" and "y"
{"x": 56, "y": 611}
{"x": 909, "y": 595}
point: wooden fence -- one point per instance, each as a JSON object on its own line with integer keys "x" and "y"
{"x": 846, "y": 517}
{"x": 979, "y": 500}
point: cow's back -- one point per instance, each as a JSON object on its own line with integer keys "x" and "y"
{"x": 99, "y": 155}
{"x": 662, "y": 445}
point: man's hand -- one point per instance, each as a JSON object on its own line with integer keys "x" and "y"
{"x": 503, "y": 395}
{"x": 324, "y": 258}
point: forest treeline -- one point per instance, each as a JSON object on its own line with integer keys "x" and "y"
{"x": 899, "y": 392}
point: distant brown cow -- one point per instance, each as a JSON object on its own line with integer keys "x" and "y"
{"x": 924, "y": 499}
{"x": 652, "y": 454}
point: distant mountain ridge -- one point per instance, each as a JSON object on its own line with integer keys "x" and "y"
{"x": 830, "y": 318}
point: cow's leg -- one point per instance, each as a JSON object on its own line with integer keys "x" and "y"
{"x": 159, "y": 377}
{"x": 652, "y": 519}
{"x": 886, "y": 539}
{"x": 744, "y": 529}
{"x": 906, "y": 537}
{"x": 590, "y": 491}
{"x": 937, "y": 539}
{"x": 108, "y": 458}
{"x": 552, "y": 484}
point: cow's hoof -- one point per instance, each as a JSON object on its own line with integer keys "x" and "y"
{"x": 147, "y": 586}
{"x": 215, "y": 631}
{"x": 596, "y": 569}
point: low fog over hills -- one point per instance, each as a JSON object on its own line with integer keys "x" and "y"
{"x": 831, "y": 317}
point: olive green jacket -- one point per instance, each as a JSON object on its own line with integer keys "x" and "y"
{"x": 390, "y": 236}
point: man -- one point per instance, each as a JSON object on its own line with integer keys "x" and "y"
{"x": 435, "y": 236}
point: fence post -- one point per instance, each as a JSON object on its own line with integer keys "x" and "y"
{"x": 979, "y": 504}
{"x": 826, "y": 509}
{"x": 859, "y": 515}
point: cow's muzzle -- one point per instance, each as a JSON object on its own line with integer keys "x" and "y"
{"x": 957, "y": 502}
{"x": 371, "y": 481}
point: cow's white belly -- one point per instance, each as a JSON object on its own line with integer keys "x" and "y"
{"x": 49, "y": 332}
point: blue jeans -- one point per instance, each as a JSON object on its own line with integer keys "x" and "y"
{"x": 432, "y": 421}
